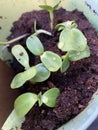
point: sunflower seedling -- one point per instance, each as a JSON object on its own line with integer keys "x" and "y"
{"x": 50, "y": 62}
{"x": 26, "y": 101}
{"x": 73, "y": 42}
{"x": 50, "y": 9}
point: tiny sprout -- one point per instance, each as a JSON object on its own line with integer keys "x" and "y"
{"x": 25, "y": 102}
{"x": 50, "y": 9}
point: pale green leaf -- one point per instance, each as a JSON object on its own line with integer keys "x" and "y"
{"x": 22, "y": 77}
{"x": 46, "y": 7}
{"x": 65, "y": 65}
{"x": 34, "y": 45}
{"x": 72, "y": 39}
{"x": 21, "y": 55}
{"x": 50, "y": 96}
{"x": 74, "y": 55}
{"x": 68, "y": 24}
{"x": 42, "y": 74}
{"x": 51, "y": 61}
{"x": 24, "y": 103}
{"x": 57, "y": 5}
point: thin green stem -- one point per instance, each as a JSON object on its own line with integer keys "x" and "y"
{"x": 51, "y": 18}
{"x": 41, "y": 31}
{"x": 15, "y": 39}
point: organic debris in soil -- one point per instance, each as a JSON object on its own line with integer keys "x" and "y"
{"x": 77, "y": 85}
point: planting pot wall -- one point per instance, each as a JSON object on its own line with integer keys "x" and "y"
{"x": 11, "y": 10}
{"x": 7, "y": 95}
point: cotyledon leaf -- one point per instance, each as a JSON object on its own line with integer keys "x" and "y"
{"x": 72, "y": 40}
{"x": 51, "y": 61}
{"x": 34, "y": 45}
{"x": 50, "y": 96}
{"x": 24, "y": 103}
{"x": 22, "y": 77}
{"x": 21, "y": 55}
{"x": 42, "y": 74}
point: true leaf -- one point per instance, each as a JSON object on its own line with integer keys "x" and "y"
{"x": 74, "y": 55}
{"x": 49, "y": 8}
{"x": 21, "y": 55}
{"x": 34, "y": 45}
{"x": 46, "y": 7}
{"x": 22, "y": 77}
{"x": 72, "y": 39}
{"x": 50, "y": 96}
{"x": 51, "y": 61}
{"x": 56, "y": 6}
{"x": 24, "y": 103}
{"x": 68, "y": 24}
{"x": 42, "y": 74}
{"x": 65, "y": 64}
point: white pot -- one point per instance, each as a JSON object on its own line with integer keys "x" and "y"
{"x": 11, "y": 10}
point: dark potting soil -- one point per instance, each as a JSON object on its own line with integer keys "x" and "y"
{"x": 77, "y": 85}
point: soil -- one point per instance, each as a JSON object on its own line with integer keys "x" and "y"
{"x": 77, "y": 85}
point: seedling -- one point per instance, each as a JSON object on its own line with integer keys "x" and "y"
{"x": 73, "y": 42}
{"x": 51, "y": 62}
{"x": 25, "y": 102}
{"x": 50, "y": 9}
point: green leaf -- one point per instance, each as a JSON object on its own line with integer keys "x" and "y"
{"x": 49, "y": 8}
{"x": 65, "y": 64}
{"x": 72, "y": 39}
{"x": 68, "y": 24}
{"x": 42, "y": 74}
{"x": 74, "y": 55}
{"x": 56, "y": 6}
{"x": 34, "y": 45}
{"x": 35, "y": 28}
{"x": 21, "y": 55}
{"x": 51, "y": 61}
{"x": 24, "y": 103}
{"x": 46, "y": 7}
{"x": 22, "y": 77}
{"x": 50, "y": 96}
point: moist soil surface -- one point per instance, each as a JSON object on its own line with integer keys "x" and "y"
{"x": 77, "y": 85}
